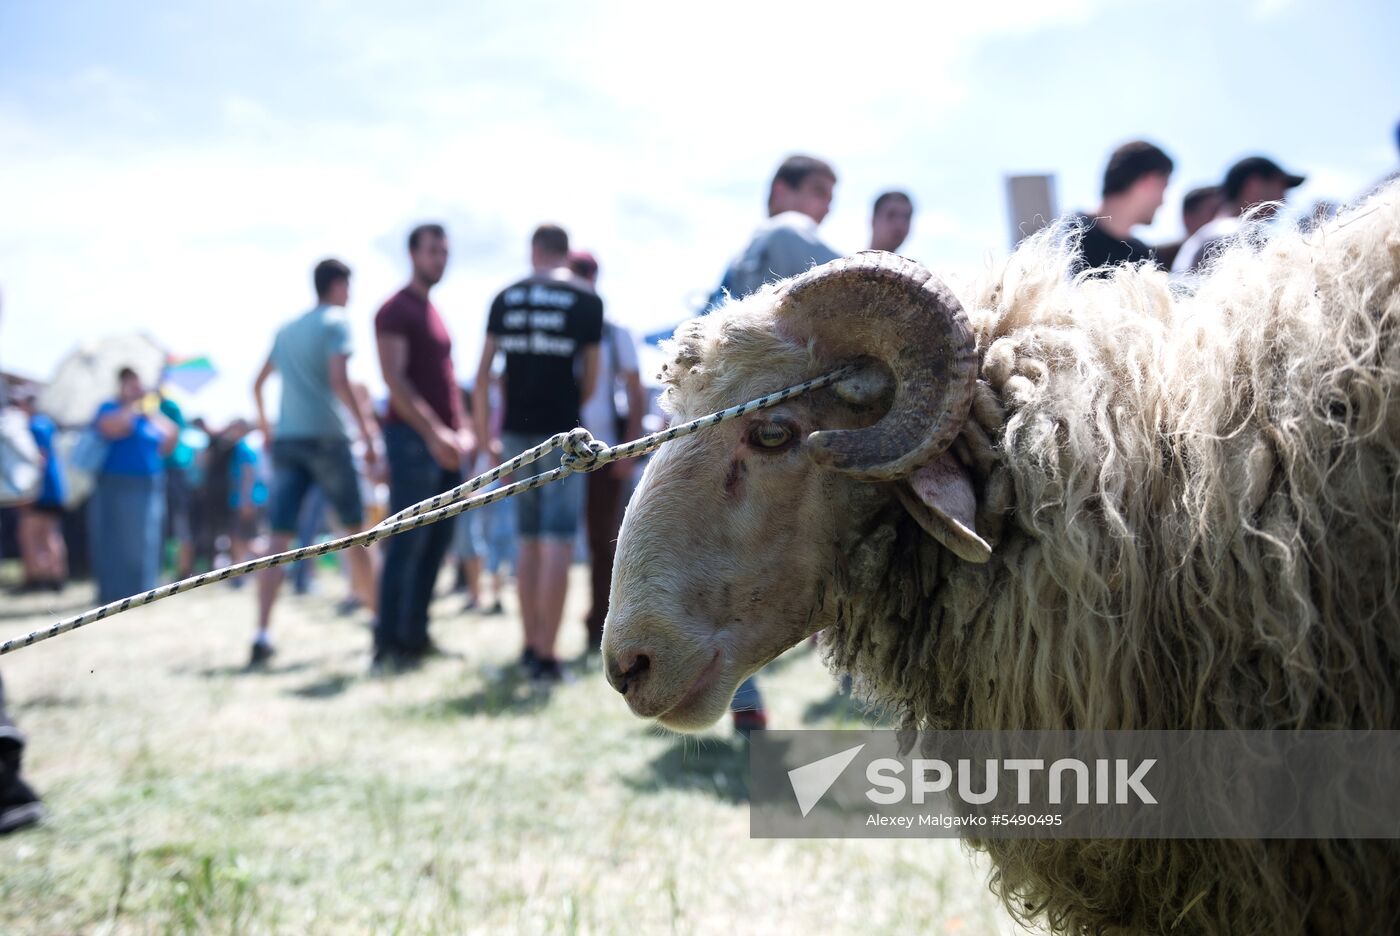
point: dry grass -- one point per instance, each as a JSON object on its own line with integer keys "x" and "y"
{"x": 189, "y": 796}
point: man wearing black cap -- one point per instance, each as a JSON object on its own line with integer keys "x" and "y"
{"x": 1133, "y": 186}
{"x": 1256, "y": 185}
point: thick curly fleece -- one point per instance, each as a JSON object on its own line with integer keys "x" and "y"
{"x": 1194, "y": 504}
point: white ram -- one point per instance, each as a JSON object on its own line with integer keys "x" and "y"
{"x": 1082, "y": 503}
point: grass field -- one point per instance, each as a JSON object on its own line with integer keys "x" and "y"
{"x": 190, "y": 796}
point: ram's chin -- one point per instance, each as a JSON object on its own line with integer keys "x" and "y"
{"x": 699, "y": 711}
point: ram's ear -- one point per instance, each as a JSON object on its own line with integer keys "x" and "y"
{"x": 941, "y": 498}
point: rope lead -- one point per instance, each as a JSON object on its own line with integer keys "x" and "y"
{"x": 582, "y": 453}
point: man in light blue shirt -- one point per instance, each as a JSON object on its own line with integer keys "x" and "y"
{"x": 799, "y": 198}
{"x": 311, "y": 444}
{"x": 786, "y": 244}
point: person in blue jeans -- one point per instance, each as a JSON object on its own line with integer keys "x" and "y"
{"x": 426, "y": 441}
{"x": 127, "y": 511}
{"x": 469, "y": 552}
{"x": 499, "y": 521}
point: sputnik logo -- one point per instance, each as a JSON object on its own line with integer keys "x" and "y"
{"x": 811, "y": 781}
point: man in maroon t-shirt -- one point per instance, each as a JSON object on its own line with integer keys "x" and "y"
{"x": 426, "y": 439}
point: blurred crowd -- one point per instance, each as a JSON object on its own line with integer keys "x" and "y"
{"x": 171, "y": 496}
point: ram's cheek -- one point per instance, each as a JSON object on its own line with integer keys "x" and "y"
{"x": 734, "y": 480}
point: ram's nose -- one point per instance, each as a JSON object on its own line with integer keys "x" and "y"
{"x": 629, "y": 670}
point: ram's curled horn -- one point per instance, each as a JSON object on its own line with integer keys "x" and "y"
{"x": 881, "y": 306}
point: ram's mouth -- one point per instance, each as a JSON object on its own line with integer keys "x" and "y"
{"x": 693, "y": 710}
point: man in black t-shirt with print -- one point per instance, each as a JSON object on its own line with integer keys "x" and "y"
{"x": 548, "y": 327}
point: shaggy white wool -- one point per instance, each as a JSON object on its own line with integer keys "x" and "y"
{"x": 1194, "y": 503}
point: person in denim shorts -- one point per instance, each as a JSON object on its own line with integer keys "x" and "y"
{"x": 311, "y": 445}
{"x": 548, "y": 327}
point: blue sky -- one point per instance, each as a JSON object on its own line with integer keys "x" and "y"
{"x": 179, "y": 167}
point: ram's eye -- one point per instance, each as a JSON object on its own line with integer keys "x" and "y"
{"x": 770, "y": 435}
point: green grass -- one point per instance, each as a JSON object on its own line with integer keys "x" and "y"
{"x": 190, "y": 797}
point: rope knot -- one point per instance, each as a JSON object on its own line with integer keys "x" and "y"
{"x": 581, "y": 450}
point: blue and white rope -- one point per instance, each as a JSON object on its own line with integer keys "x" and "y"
{"x": 582, "y": 453}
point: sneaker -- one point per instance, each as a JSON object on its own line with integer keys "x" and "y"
{"x": 470, "y": 605}
{"x": 552, "y": 671}
{"x": 529, "y": 664}
{"x": 393, "y": 662}
{"x": 750, "y": 721}
{"x": 20, "y": 808}
{"x": 262, "y": 653}
{"x": 495, "y": 609}
{"x": 432, "y": 650}
{"x": 404, "y": 661}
